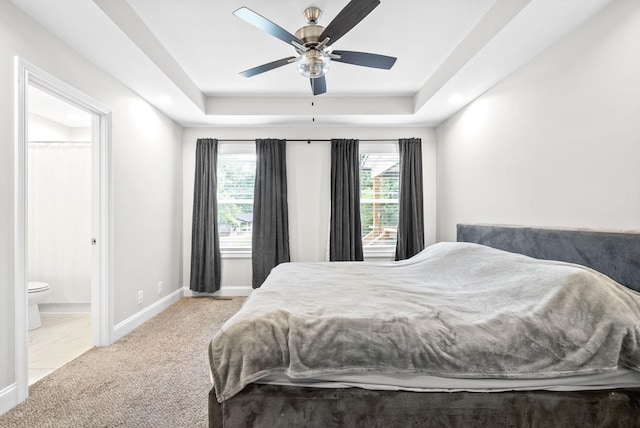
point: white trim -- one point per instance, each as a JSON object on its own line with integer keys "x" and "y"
{"x": 8, "y": 398}
{"x": 379, "y": 252}
{"x": 379, "y": 256}
{"x": 27, "y": 74}
{"x": 136, "y": 320}
{"x": 229, "y": 291}
{"x": 20, "y": 236}
{"x": 230, "y": 253}
{"x": 101, "y": 287}
{"x": 65, "y": 308}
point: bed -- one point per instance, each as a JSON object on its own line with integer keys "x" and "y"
{"x": 333, "y": 344}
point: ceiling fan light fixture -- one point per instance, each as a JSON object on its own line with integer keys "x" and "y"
{"x": 313, "y": 63}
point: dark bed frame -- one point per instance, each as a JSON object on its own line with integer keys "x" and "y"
{"x": 616, "y": 254}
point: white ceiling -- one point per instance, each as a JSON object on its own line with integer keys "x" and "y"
{"x": 191, "y": 51}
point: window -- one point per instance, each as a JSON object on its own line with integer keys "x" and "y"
{"x": 236, "y": 175}
{"x": 379, "y": 199}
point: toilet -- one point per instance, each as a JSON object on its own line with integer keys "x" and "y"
{"x": 37, "y": 293}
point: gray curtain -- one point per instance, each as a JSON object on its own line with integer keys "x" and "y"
{"x": 205, "y": 242}
{"x": 410, "y": 217}
{"x": 345, "y": 234}
{"x": 270, "y": 238}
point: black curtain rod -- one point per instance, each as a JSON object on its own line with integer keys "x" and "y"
{"x": 305, "y": 140}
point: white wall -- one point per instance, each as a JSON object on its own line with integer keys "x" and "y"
{"x": 555, "y": 144}
{"x": 43, "y": 129}
{"x": 147, "y": 197}
{"x": 146, "y": 179}
{"x": 308, "y": 187}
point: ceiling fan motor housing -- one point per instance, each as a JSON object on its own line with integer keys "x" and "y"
{"x": 310, "y": 34}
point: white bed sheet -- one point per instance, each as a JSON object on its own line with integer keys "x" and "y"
{"x": 621, "y": 378}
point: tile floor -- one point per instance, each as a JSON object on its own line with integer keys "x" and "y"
{"x": 61, "y": 338}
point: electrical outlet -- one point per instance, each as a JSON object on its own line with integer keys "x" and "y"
{"x": 140, "y": 297}
{"x": 160, "y": 288}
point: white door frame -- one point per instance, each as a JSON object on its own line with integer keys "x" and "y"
{"x": 101, "y": 291}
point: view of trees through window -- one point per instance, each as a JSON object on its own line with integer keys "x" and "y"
{"x": 236, "y": 176}
{"x": 379, "y": 198}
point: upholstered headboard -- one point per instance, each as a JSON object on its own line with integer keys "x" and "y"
{"x": 616, "y": 254}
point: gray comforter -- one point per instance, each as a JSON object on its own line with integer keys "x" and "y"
{"x": 454, "y": 310}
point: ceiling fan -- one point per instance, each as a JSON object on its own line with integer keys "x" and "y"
{"x": 313, "y": 43}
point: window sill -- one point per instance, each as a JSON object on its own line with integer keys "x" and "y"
{"x": 380, "y": 253}
{"x": 235, "y": 253}
{"x": 370, "y": 253}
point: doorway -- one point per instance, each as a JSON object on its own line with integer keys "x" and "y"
{"x": 35, "y": 87}
{"x": 58, "y": 232}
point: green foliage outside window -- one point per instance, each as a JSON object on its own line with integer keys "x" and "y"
{"x": 236, "y": 176}
{"x": 379, "y": 197}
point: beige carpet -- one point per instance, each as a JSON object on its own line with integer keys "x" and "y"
{"x": 156, "y": 376}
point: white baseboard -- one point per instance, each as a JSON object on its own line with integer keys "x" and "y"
{"x": 127, "y": 326}
{"x": 65, "y": 308}
{"x": 8, "y": 398}
{"x": 229, "y": 291}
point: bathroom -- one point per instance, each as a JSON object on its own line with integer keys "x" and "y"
{"x": 59, "y": 259}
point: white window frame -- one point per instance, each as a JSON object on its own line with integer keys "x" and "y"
{"x": 236, "y": 148}
{"x": 381, "y": 251}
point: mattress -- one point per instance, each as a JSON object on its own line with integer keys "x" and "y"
{"x": 620, "y": 378}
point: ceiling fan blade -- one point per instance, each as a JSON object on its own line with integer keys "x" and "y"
{"x": 349, "y": 17}
{"x": 268, "y": 66}
{"x": 318, "y": 85}
{"x": 265, "y": 25}
{"x": 365, "y": 59}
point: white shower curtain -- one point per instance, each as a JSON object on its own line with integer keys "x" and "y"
{"x": 59, "y": 219}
